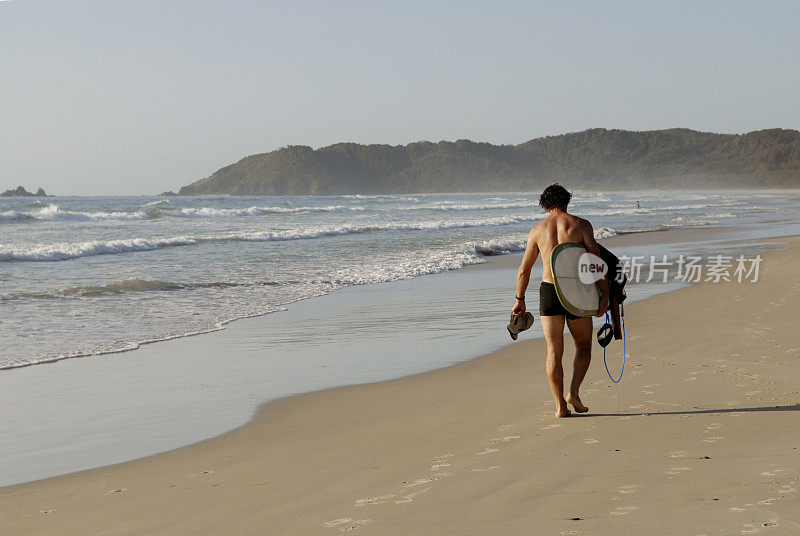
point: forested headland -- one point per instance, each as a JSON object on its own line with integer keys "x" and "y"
{"x": 592, "y": 159}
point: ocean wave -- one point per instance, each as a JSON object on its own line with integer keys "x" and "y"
{"x": 52, "y": 212}
{"x": 500, "y": 246}
{"x": 67, "y": 251}
{"x": 689, "y": 222}
{"x": 12, "y": 216}
{"x": 607, "y": 232}
{"x": 156, "y": 209}
{"x": 209, "y": 212}
{"x": 604, "y": 232}
{"x": 156, "y": 203}
{"x": 122, "y": 287}
{"x": 455, "y": 207}
{"x": 413, "y": 199}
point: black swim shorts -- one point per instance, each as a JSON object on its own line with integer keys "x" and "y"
{"x": 549, "y": 305}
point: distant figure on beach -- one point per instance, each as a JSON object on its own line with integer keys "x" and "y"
{"x": 638, "y": 205}
{"x": 558, "y": 227}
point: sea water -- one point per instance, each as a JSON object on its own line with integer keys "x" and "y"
{"x": 82, "y": 276}
{"x": 93, "y": 276}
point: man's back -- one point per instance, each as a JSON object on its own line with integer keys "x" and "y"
{"x": 557, "y": 228}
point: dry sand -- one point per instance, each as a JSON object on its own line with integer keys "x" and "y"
{"x": 701, "y": 437}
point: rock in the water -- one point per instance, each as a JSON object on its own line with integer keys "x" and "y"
{"x": 22, "y": 192}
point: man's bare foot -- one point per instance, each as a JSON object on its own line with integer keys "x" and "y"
{"x": 563, "y": 412}
{"x": 575, "y": 400}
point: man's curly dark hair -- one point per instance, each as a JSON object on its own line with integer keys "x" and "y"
{"x": 555, "y": 196}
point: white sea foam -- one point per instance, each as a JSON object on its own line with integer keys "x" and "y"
{"x": 55, "y": 213}
{"x": 52, "y": 212}
{"x": 209, "y": 212}
{"x": 457, "y": 207}
{"x": 66, "y": 251}
{"x": 604, "y": 232}
{"x": 502, "y": 245}
{"x": 12, "y": 216}
{"x": 156, "y": 203}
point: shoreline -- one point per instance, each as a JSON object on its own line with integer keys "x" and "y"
{"x": 249, "y": 411}
{"x": 319, "y": 452}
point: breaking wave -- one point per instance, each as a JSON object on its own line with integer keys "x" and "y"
{"x": 159, "y": 209}
{"x": 54, "y": 213}
{"x": 122, "y": 287}
{"x": 66, "y": 251}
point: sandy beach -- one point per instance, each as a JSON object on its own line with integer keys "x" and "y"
{"x": 700, "y": 437}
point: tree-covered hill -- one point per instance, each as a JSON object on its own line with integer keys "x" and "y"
{"x": 597, "y": 158}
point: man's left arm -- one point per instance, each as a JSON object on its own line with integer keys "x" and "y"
{"x": 594, "y": 248}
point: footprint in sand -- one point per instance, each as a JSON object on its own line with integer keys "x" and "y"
{"x": 630, "y": 488}
{"x": 209, "y": 472}
{"x": 506, "y": 439}
{"x": 492, "y": 468}
{"x": 506, "y": 427}
{"x": 771, "y": 472}
{"x": 337, "y": 522}
{"x": 677, "y": 470}
{"x": 623, "y": 510}
{"x": 351, "y": 524}
{"x": 420, "y": 481}
{"x": 487, "y": 450}
{"x": 713, "y": 439}
{"x": 373, "y": 500}
{"x": 550, "y": 426}
{"x": 590, "y": 440}
{"x": 441, "y": 462}
{"x": 410, "y": 497}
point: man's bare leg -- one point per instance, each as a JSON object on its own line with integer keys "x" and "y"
{"x": 581, "y": 330}
{"x": 553, "y": 327}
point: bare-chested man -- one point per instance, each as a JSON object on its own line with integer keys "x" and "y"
{"x": 556, "y": 228}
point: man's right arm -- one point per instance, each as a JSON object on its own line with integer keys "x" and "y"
{"x": 524, "y": 272}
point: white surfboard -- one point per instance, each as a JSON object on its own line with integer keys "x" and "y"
{"x": 577, "y": 297}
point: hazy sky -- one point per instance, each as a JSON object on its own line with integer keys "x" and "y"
{"x": 136, "y": 97}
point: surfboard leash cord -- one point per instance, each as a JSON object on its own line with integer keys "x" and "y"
{"x": 624, "y": 340}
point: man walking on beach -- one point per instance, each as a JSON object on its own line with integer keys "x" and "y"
{"x": 559, "y": 227}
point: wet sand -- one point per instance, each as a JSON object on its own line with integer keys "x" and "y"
{"x": 700, "y": 437}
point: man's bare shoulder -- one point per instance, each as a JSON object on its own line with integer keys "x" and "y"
{"x": 536, "y": 229}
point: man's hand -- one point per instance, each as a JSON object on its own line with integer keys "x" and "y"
{"x": 603, "y": 305}
{"x": 519, "y": 308}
